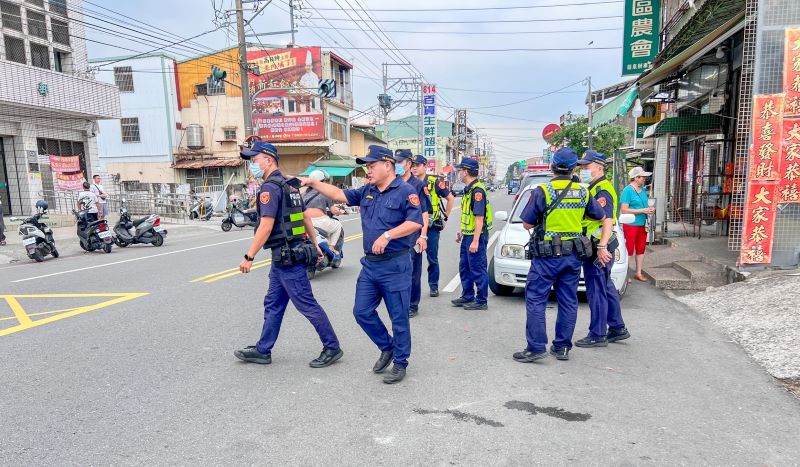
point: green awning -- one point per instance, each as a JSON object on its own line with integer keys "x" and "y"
{"x": 695, "y": 124}
{"x": 332, "y": 171}
{"x": 619, "y": 105}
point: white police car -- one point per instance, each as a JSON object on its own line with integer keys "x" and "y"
{"x": 508, "y": 268}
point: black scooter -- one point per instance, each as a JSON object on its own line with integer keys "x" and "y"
{"x": 93, "y": 234}
{"x": 329, "y": 258}
{"x": 145, "y": 230}
{"x": 239, "y": 217}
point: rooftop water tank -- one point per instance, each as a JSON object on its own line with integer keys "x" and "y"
{"x": 194, "y": 136}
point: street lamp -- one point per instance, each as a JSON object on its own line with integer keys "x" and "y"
{"x": 636, "y": 112}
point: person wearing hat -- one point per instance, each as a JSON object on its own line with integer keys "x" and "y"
{"x": 309, "y": 82}
{"x": 606, "y": 324}
{"x": 403, "y": 167}
{"x": 281, "y": 228}
{"x": 390, "y": 215}
{"x": 556, "y": 210}
{"x": 438, "y": 191}
{"x": 634, "y": 201}
{"x": 476, "y": 222}
{"x": 321, "y": 211}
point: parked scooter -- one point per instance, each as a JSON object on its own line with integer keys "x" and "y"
{"x": 239, "y": 216}
{"x": 201, "y": 208}
{"x": 329, "y": 258}
{"x": 145, "y": 230}
{"x": 37, "y": 238}
{"x": 92, "y": 234}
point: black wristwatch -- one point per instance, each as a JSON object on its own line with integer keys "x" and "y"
{"x": 248, "y": 258}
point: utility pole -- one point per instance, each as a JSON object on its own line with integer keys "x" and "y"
{"x": 591, "y": 109}
{"x": 388, "y": 107}
{"x": 247, "y": 104}
{"x": 291, "y": 21}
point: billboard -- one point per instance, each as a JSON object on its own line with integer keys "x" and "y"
{"x": 429, "y": 126}
{"x": 640, "y": 43}
{"x": 286, "y": 106}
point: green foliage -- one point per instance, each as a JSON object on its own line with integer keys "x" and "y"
{"x": 607, "y": 139}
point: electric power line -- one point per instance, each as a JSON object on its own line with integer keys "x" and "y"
{"x": 517, "y": 7}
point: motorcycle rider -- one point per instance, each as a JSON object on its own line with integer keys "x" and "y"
{"x": 317, "y": 207}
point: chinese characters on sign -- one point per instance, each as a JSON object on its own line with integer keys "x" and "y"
{"x": 789, "y": 164}
{"x": 791, "y": 72}
{"x": 767, "y": 129}
{"x": 640, "y": 44}
{"x": 429, "y": 121}
{"x": 64, "y": 164}
{"x": 461, "y": 133}
{"x": 67, "y": 172}
{"x": 759, "y": 223}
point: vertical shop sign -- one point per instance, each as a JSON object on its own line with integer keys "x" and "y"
{"x": 767, "y": 131}
{"x": 429, "y": 121}
{"x": 640, "y": 44}
{"x": 791, "y": 72}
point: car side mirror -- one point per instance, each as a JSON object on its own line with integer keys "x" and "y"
{"x": 626, "y": 218}
{"x": 501, "y": 215}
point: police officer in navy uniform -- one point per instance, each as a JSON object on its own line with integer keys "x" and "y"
{"x": 437, "y": 191}
{"x": 281, "y": 228}
{"x": 403, "y": 166}
{"x": 557, "y": 209}
{"x": 390, "y": 214}
{"x": 606, "y": 323}
{"x": 476, "y": 222}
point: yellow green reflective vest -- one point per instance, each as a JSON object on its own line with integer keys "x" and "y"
{"x": 290, "y": 228}
{"x": 468, "y": 218}
{"x": 592, "y": 227}
{"x": 435, "y": 198}
{"x": 566, "y": 219}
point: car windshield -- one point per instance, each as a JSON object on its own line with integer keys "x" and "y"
{"x": 534, "y": 179}
{"x": 521, "y": 203}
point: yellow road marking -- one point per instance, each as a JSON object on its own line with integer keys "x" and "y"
{"x": 25, "y": 321}
{"x": 40, "y": 313}
{"x": 216, "y": 276}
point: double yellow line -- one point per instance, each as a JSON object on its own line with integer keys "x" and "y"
{"x": 217, "y": 276}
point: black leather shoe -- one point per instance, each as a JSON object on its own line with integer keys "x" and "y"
{"x": 615, "y": 335}
{"x": 460, "y": 302}
{"x": 250, "y": 354}
{"x": 476, "y": 306}
{"x": 560, "y": 354}
{"x": 413, "y": 311}
{"x": 395, "y": 375}
{"x": 526, "y": 356}
{"x": 434, "y": 293}
{"x": 326, "y": 358}
{"x": 590, "y": 341}
{"x": 383, "y": 361}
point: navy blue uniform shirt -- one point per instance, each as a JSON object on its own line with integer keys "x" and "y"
{"x": 537, "y": 204}
{"x": 478, "y": 201}
{"x": 384, "y": 211}
{"x": 270, "y": 198}
{"x": 441, "y": 188}
{"x": 422, "y": 191}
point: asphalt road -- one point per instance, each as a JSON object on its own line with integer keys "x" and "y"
{"x": 137, "y": 369}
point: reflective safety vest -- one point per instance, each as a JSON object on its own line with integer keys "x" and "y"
{"x": 289, "y": 228}
{"x": 566, "y": 219}
{"x": 467, "y": 216}
{"x": 433, "y": 180}
{"x": 592, "y": 227}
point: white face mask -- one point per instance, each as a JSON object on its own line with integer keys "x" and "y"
{"x": 399, "y": 169}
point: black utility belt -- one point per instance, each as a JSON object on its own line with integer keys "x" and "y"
{"x": 295, "y": 253}
{"x": 386, "y": 256}
{"x": 556, "y": 248}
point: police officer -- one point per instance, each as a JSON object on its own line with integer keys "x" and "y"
{"x": 403, "y": 166}
{"x": 606, "y": 314}
{"x": 438, "y": 191}
{"x": 476, "y": 222}
{"x": 390, "y": 214}
{"x": 557, "y": 209}
{"x": 281, "y": 229}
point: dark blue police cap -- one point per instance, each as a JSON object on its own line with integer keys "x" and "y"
{"x": 468, "y": 163}
{"x": 419, "y": 159}
{"x": 402, "y": 154}
{"x": 564, "y": 159}
{"x": 260, "y": 147}
{"x": 593, "y": 156}
{"x": 376, "y": 153}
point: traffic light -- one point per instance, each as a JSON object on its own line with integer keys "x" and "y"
{"x": 217, "y": 74}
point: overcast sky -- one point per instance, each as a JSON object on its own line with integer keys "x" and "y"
{"x": 516, "y": 131}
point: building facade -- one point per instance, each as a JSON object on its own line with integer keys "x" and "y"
{"x": 49, "y": 104}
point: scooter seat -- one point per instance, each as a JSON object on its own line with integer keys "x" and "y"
{"x": 138, "y": 222}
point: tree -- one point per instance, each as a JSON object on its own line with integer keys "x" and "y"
{"x": 607, "y": 139}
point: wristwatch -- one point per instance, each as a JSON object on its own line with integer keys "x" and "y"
{"x": 248, "y": 258}
{"x": 387, "y": 235}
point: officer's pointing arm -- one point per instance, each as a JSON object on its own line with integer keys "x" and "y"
{"x": 333, "y": 192}
{"x": 261, "y": 236}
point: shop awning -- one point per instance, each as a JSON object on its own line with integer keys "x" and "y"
{"x": 713, "y": 21}
{"x": 619, "y": 105}
{"x": 304, "y": 144}
{"x": 332, "y": 171}
{"x": 207, "y": 163}
{"x": 695, "y": 124}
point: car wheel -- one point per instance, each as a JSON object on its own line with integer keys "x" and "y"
{"x": 498, "y": 289}
{"x": 624, "y": 288}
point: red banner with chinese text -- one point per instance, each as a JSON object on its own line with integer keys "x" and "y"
{"x": 64, "y": 164}
{"x": 767, "y": 132}
{"x": 759, "y": 223}
{"x": 791, "y": 72}
{"x": 789, "y": 164}
{"x": 70, "y": 182}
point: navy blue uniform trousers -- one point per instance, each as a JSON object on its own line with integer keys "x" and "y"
{"x": 416, "y": 278}
{"x": 291, "y": 283}
{"x": 472, "y": 269}
{"x": 389, "y": 281}
{"x": 562, "y": 274}
{"x": 603, "y": 299}
{"x": 433, "y": 257}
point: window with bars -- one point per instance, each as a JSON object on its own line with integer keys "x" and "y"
{"x": 36, "y": 2}
{"x": 60, "y": 31}
{"x": 130, "y": 130}
{"x": 40, "y": 56}
{"x": 229, "y": 134}
{"x": 15, "y": 49}
{"x": 58, "y": 6}
{"x": 201, "y": 89}
{"x": 215, "y": 89}
{"x": 11, "y": 16}
{"x": 36, "y": 25}
{"x": 338, "y": 127}
{"x": 62, "y": 61}
{"x": 123, "y": 77}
